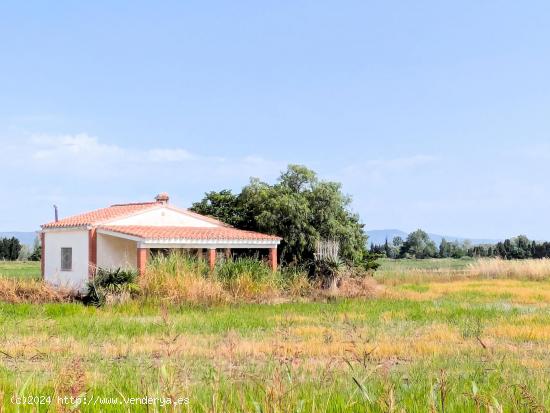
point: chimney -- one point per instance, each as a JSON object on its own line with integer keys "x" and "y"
{"x": 162, "y": 198}
{"x": 55, "y": 213}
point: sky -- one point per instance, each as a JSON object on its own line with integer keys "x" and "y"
{"x": 432, "y": 115}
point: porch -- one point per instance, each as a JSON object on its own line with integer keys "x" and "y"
{"x": 131, "y": 246}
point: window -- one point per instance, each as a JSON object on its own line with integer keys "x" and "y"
{"x": 66, "y": 259}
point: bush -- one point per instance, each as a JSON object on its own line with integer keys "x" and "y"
{"x": 110, "y": 284}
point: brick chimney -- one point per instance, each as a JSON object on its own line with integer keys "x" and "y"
{"x": 162, "y": 198}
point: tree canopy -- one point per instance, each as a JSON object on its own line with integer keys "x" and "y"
{"x": 300, "y": 208}
{"x": 418, "y": 245}
{"x": 9, "y": 249}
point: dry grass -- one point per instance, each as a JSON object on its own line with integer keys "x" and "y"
{"x": 514, "y": 291}
{"x": 493, "y": 268}
{"x": 185, "y": 287}
{"x": 31, "y": 291}
{"x": 517, "y": 269}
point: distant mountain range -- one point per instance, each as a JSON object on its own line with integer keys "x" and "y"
{"x": 26, "y": 238}
{"x": 379, "y": 236}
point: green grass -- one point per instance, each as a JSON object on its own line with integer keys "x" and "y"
{"x": 20, "y": 269}
{"x": 387, "y": 264}
{"x": 342, "y": 356}
{"x": 475, "y": 343}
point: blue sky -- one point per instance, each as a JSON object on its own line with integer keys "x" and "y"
{"x": 432, "y": 114}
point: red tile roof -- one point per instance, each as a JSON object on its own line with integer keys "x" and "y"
{"x": 101, "y": 215}
{"x": 194, "y": 233}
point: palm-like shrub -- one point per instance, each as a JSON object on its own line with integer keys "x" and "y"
{"x": 328, "y": 269}
{"x": 110, "y": 283}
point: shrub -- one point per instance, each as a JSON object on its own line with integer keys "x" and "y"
{"x": 110, "y": 285}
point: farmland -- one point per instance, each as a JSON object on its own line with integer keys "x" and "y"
{"x": 455, "y": 343}
{"x": 20, "y": 270}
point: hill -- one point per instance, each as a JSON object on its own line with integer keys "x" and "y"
{"x": 26, "y": 238}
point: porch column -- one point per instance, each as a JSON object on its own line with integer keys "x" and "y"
{"x": 92, "y": 252}
{"x": 212, "y": 258}
{"x": 273, "y": 258}
{"x": 227, "y": 253}
{"x": 141, "y": 259}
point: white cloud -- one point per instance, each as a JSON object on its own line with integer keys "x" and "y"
{"x": 169, "y": 155}
{"x": 379, "y": 171}
{"x": 77, "y": 147}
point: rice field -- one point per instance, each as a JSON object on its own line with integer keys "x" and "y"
{"x": 457, "y": 344}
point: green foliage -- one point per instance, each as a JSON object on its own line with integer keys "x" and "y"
{"x": 9, "y": 249}
{"x": 327, "y": 269}
{"x": 177, "y": 263}
{"x": 223, "y": 205}
{"x": 418, "y": 245}
{"x": 232, "y": 269}
{"x": 36, "y": 254}
{"x": 298, "y": 207}
{"x": 108, "y": 281}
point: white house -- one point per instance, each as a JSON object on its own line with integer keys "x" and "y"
{"x": 122, "y": 235}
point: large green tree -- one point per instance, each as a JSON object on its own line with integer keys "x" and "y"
{"x": 418, "y": 245}
{"x": 298, "y": 207}
{"x": 9, "y": 249}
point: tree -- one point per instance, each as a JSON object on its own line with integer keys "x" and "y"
{"x": 223, "y": 205}
{"x": 444, "y": 250}
{"x": 397, "y": 242}
{"x": 9, "y": 249}
{"x": 388, "y": 250}
{"x": 36, "y": 251}
{"x": 299, "y": 208}
{"x": 25, "y": 253}
{"x": 419, "y": 245}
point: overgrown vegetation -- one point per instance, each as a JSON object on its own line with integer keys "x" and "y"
{"x": 177, "y": 278}
{"x": 111, "y": 285}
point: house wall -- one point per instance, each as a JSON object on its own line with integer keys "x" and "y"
{"x": 113, "y": 252}
{"x": 163, "y": 217}
{"x": 77, "y": 240}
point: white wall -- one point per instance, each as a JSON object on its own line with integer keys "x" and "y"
{"x": 113, "y": 252}
{"x": 163, "y": 217}
{"x": 77, "y": 240}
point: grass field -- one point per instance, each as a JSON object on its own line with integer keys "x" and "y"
{"x": 467, "y": 345}
{"x": 17, "y": 269}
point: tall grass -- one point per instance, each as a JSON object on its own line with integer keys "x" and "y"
{"x": 394, "y": 272}
{"x": 177, "y": 279}
{"x": 516, "y": 269}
